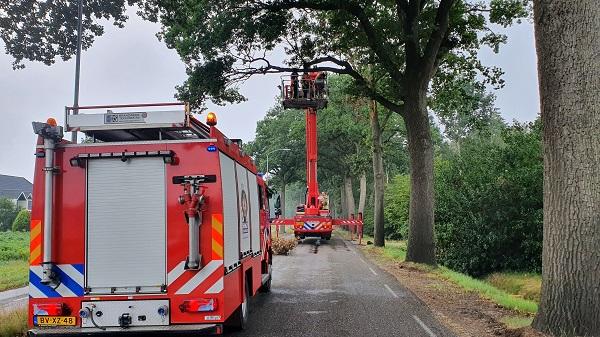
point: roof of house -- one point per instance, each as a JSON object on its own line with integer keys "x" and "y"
{"x": 11, "y": 187}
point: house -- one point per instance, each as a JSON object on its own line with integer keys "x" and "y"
{"x": 17, "y": 189}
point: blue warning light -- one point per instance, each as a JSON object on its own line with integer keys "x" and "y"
{"x": 211, "y": 148}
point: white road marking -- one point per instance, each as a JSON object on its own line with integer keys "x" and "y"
{"x": 372, "y": 271}
{"x": 19, "y": 299}
{"x": 316, "y": 312}
{"x": 390, "y": 290}
{"x": 363, "y": 261}
{"x": 424, "y": 326}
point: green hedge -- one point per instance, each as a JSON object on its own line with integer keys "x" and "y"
{"x": 489, "y": 203}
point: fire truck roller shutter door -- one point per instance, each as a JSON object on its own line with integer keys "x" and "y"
{"x": 244, "y": 208}
{"x": 230, "y": 212}
{"x": 254, "y": 213}
{"x": 126, "y": 226}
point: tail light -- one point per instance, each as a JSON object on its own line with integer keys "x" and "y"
{"x": 49, "y": 309}
{"x": 199, "y": 305}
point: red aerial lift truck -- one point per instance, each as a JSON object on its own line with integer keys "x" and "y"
{"x": 156, "y": 223}
{"x": 313, "y": 218}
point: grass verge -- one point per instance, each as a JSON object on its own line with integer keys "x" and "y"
{"x": 13, "y": 274}
{"x": 525, "y": 285}
{"x": 13, "y": 323}
{"x": 396, "y": 250}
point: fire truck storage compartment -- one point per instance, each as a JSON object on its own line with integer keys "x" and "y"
{"x": 126, "y": 226}
{"x": 240, "y": 212}
{"x": 138, "y": 313}
{"x": 254, "y": 215}
{"x": 230, "y": 212}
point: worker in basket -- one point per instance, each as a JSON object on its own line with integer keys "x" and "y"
{"x": 324, "y": 201}
{"x": 294, "y": 84}
{"x": 320, "y": 80}
{"x": 306, "y": 85}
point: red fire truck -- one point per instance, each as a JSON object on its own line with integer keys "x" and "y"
{"x": 155, "y": 223}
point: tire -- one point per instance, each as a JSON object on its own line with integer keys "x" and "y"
{"x": 266, "y": 287}
{"x": 239, "y": 319}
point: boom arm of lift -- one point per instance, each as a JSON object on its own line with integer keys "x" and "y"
{"x": 312, "y": 195}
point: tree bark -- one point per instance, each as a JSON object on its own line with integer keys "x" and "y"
{"x": 568, "y": 49}
{"x": 350, "y": 203}
{"x": 362, "y": 199}
{"x": 421, "y": 242}
{"x": 343, "y": 207}
{"x": 378, "y": 178}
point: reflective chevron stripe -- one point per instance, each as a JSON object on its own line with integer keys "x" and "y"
{"x": 71, "y": 282}
{"x": 200, "y": 277}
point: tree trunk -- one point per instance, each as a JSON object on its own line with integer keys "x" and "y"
{"x": 343, "y": 207}
{"x": 282, "y": 194}
{"x": 362, "y": 199}
{"x": 421, "y": 242}
{"x": 350, "y": 204}
{"x": 567, "y": 35}
{"x": 378, "y": 178}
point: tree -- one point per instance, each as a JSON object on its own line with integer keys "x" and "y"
{"x": 280, "y": 129}
{"x": 21, "y": 223}
{"x": 567, "y": 35}
{"x": 226, "y": 42}
{"x": 8, "y": 212}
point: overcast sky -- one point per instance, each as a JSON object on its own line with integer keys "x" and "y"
{"x": 131, "y": 66}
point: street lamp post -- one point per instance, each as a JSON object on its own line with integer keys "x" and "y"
{"x": 268, "y": 153}
{"x": 77, "y": 65}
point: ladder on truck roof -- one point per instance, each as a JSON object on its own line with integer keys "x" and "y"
{"x": 133, "y": 122}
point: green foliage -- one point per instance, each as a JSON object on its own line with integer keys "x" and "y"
{"x": 13, "y": 274}
{"x": 14, "y": 246}
{"x": 44, "y": 30}
{"x": 280, "y": 129}
{"x": 489, "y": 202}
{"x": 8, "y": 212}
{"x": 397, "y": 201}
{"x": 21, "y": 223}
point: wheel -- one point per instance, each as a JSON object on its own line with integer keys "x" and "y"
{"x": 266, "y": 287}
{"x": 239, "y": 319}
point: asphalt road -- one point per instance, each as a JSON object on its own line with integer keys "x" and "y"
{"x": 325, "y": 290}
{"x": 12, "y": 299}
{"x": 332, "y": 290}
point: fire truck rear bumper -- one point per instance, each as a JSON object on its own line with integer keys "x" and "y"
{"x": 172, "y": 330}
{"x": 313, "y": 232}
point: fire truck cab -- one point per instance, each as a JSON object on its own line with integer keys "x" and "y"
{"x": 155, "y": 223}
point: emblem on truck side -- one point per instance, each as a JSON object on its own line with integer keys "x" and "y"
{"x": 244, "y": 211}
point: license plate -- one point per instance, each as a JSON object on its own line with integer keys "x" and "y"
{"x": 54, "y": 320}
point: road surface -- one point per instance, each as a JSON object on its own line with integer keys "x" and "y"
{"x": 332, "y": 290}
{"x": 13, "y": 299}
{"x": 325, "y": 290}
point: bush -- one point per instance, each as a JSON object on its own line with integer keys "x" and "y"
{"x": 396, "y": 204}
{"x": 489, "y": 203}
{"x": 21, "y": 223}
{"x": 8, "y": 212}
{"x": 282, "y": 246}
{"x": 14, "y": 246}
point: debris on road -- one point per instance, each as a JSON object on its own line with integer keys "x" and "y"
{"x": 283, "y": 246}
